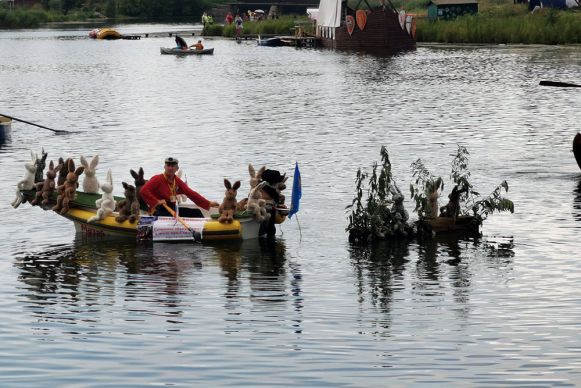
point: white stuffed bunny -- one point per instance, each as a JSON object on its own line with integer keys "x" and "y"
{"x": 26, "y": 183}
{"x": 90, "y": 182}
{"x": 106, "y": 203}
{"x": 256, "y": 203}
{"x": 181, "y": 198}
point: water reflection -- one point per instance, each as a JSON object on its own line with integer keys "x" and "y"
{"x": 82, "y": 281}
{"x": 257, "y": 271}
{"x": 377, "y": 268}
{"x": 385, "y": 269}
{"x": 577, "y": 200}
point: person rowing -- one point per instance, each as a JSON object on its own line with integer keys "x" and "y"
{"x": 198, "y": 46}
{"x": 181, "y": 43}
{"x": 164, "y": 188}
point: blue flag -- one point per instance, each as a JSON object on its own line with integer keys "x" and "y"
{"x": 297, "y": 192}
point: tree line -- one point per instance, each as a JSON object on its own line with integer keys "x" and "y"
{"x": 131, "y": 8}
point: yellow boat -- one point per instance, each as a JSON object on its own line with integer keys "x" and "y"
{"x": 105, "y": 33}
{"x": 205, "y": 228}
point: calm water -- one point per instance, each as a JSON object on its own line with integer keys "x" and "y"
{"x": 501, "y": 310}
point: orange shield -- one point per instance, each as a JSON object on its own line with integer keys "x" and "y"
{"x": 361, "y": 17}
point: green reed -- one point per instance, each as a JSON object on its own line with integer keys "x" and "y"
{"x": 548, "y": 26}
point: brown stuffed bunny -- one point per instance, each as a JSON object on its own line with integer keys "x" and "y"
{"x": 68, "y": 190}
{"x": 228, "y": 206}
{"x": 64, "y": 172}
{"x": 44, "y": 189}
{"x": 128, "y": 208}
{"x": 139, "y": 182}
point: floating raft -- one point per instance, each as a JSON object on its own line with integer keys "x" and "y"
{"x": 442, "y": 225}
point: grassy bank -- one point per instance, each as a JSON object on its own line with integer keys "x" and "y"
{"x": 501, "y": 21}
{"x": 31, "y": 18}
{"x": 280, "y": 26}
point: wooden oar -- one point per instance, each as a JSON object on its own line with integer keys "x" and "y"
{"x": 559, "y": 84}
{"x": 195, "y": 235}
{"x": 37, "y": 125}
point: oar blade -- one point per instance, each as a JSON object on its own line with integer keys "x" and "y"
{"x": 59, "y": 131}
{"x": 559, "y": 84}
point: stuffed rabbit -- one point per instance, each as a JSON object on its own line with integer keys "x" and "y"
{"x": 129, "y": 207}
{"x": 106, "y": 204}
{"x": 26, "y": 183}
{"x": 139, "y": 182}
{"x": 68, "y": 190}
{"x": 255, "y": 177}
{"x": 63, "y": 173}
{"x": 90, "y": 182}
{"x": 45, "y": 188}
{"x": 40, "y": 165}
{"x": 228, "y": 206}
{"x": 432, "y": 195}
{"x": 256, "y": 203}
{"x": 280, "y": 186}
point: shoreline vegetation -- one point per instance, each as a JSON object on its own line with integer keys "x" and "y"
{"x": 497, "y": 22}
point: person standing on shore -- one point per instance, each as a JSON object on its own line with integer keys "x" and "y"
{"x": 239, "y": 26}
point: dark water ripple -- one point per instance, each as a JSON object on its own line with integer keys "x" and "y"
{"x": 500, "y": 310}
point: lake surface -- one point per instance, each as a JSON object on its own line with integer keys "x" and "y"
{"x": 306, "y": 309}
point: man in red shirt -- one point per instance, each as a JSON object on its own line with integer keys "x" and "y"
{"x": 164, "y": 188}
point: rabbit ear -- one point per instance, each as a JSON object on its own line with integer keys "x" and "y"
{"x": 71, "y": 165}
{"x": 236, "y": 185}
{"x": 251, "y": 170}
{"x": 260, "y": 171}
{"x": 79, "y": 170}
{"x": 44, "y": 155}
{"x": 59, "y": 167}
{"x": 51, "y": 165}
{"x": 84, "y": 161}
{"x": 94, "y": 161}
{"x": 141, "y": 173}
{"x": 261, "y": 185}
{"x": 33, "y": 156}
{"x": 227, "y": 184}
{"x": 134, "y": 174}
{"x": 125, "y": 185}
{"x": 110, "y": 177}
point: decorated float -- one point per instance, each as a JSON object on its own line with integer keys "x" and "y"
{"x": 377, "y": 212}
{"x": 96, "y": 212}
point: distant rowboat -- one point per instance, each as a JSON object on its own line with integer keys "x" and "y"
{"x": 5, "y": 128}
{"x": 177, "y": 51}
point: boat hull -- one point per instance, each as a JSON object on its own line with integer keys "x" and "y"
{"x": 577, "y": 148}
{"x": 176, "y": 51}
{"x": 244, "y": 226}
{"x": 5, "y": 128}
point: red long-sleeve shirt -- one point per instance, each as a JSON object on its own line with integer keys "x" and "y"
{"x": 157, "y": 188}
